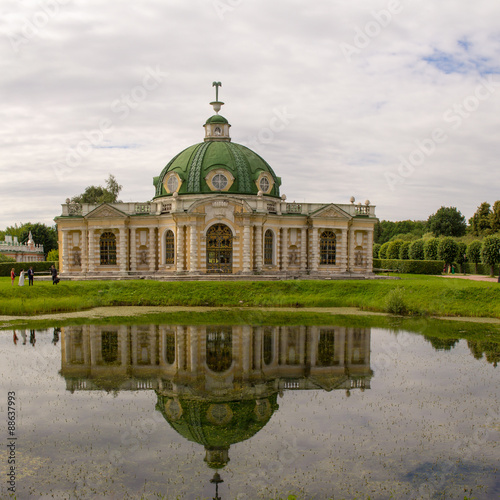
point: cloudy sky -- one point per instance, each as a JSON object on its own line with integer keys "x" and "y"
{"x": 395, "y": 101}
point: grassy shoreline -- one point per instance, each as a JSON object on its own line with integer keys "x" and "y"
{"x": 419, "y": 295}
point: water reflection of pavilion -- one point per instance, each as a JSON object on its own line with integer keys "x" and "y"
{"x": 216, "y": 385}
{"x": 215, "y": 360}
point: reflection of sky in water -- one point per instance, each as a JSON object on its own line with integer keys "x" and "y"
{"x": 430, "y": 422}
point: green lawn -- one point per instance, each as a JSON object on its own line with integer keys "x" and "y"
{"x": 420, "y": 295}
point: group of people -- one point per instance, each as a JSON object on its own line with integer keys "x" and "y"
{"x": 31, "y": 275}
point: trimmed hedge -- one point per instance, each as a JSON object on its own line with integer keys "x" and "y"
{"x": 410, "y": 266}
{"x": 18, "y": 266}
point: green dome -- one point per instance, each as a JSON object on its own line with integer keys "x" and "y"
{"x": 243, "y": 168}
{"x": 217, "y": 119}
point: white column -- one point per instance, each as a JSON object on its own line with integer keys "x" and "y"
{"x": 314, "y": 249}
{"x": 180, "y": 248}
{"x": 85, "y": 248}
{"x": 133, "y": 249}
{"x": 246, "y": 246}
{"x": 258, "y": 247}
{"x": 343, "y": 251}
{"x": 91, "y": 252}
{"x": 284, "y": 248}
{"x": 123, "y": 250}
{"x": 351, "y": 244}
{"x": 152, "y": 250}
{"x": 303, "y": 249}
{"x": 369, "y": 250}
{"x": 65, "y": 255}
{"x": 193, "y": 256}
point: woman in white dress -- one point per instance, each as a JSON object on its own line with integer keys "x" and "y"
{"x": 21, "y": 278}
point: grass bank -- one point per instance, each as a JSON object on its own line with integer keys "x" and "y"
{"x": 412, "y": 295}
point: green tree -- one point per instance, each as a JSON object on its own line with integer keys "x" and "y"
{"x": 393, "y": 249}
{"x": 417, "y": 250}
{"x": 431, "y": 249}
{"x": 100, "y": 194}
{"x": 53, "y": 256}
{"x": 404, "y": 250}
{"x": 447, "y": 221}
{"x": 495, "y": 217}
{"x": 461, "y": 257}
{"x": 490, "y": 252}
{"x": 480, "y": 222}
{"x": 382, "y": 253}
{"x": 388, "y": 230}
{"x": 447, "y": 250}
{"x": 474, "y": 252}
{"x": 376, "y": 248}
{"x": 42, "y": 235}
{"x": 4, "y": 258}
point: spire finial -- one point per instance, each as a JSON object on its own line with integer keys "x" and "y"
{"x": 217, "y": 104}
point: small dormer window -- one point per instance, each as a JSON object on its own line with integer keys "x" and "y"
{"x": 264, "y": 184}
{"x": 219, "y": 181}
{"x": 172, "y": 183}
{"x": 218, "y": 131}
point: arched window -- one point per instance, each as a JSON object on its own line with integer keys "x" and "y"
{"x": 169, "y": 247}
{"x": 327, "y": 247}
{"x": 268, "y": 248}
{"x": 107, "y": 244}
{"x": 219, "y": 348}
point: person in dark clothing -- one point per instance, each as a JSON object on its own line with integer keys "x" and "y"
{"x": 53, "y": 272}
{"x": 31, "y": 275}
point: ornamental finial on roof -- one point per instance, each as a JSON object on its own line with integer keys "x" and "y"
{"x": 217, "y": 104}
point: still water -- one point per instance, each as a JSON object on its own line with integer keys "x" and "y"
{"x": 250, "y": 412}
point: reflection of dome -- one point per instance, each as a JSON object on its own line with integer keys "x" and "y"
{"x": 217, "y": 425}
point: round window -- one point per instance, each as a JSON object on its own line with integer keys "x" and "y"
{"x": 219, "y": 181}
{"x": 264, "y": 184}
{"x": 172, "y": 183}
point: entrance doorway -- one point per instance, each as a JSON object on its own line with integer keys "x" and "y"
{"x": 219, "y": 249}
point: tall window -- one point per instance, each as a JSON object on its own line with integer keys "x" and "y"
{"x": 219, "y": 348}
{"x": 107, "y": 245}
{"x": 327, "y": 247}
{"x": 268, "y": 248}
{"x": 169, "y": 247}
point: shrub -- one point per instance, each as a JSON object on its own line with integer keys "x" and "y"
{"x": 404, "y": 250}
{"x": 474, "y": 253}
{"x": 431, "y": 249}
{"x": 4, "y": 258}
{"x": 53, "y": 256}
{"x": 395, "y": 302}
{"x": 447, "y": 249}
{"x": 462, "y": 255}
{"x": 376, "y": 248}
{"x": 393, "y": 249}
{"x": 410, "y": 266}
{"x": 490, "y": 252}
{"x": 417, "y": 250}
{"x": 382, "y": 253}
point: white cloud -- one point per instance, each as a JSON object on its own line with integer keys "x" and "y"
{"x": 66, "y": 70}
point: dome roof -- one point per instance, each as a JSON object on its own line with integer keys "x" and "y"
{"x": 216, "y": 119}
{"x": 242, "y": 167}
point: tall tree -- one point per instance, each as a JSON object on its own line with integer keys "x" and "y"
{"x": 495, "y": 217}
{"x": 490, "y": 252}
{"x": 447, "y": 221}
{"x": 480, "y": 222}
{"x": 474, "y": 253}
{"x": 100, "y": 194}
{"x": 42, "y": 235}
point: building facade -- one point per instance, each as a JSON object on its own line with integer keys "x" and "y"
{"x": 217, "y": 209}
{"x": 22, "y": 252}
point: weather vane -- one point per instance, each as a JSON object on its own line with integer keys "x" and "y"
{"x": 217, "y": 85}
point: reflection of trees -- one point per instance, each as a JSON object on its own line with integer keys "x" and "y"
{"x": 441, "y": 344}
{"x": 490, "y": 350}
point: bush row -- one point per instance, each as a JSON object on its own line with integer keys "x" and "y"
{"x": 38, "y": 267}
{"x": 410, "y": 266}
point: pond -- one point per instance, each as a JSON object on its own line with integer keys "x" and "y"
{"x": 248, "y": 412}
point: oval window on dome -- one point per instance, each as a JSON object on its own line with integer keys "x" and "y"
{"x": 219, "y": 181}
{"x": 172, "y": 183}
{"x": 264, "y": 184}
